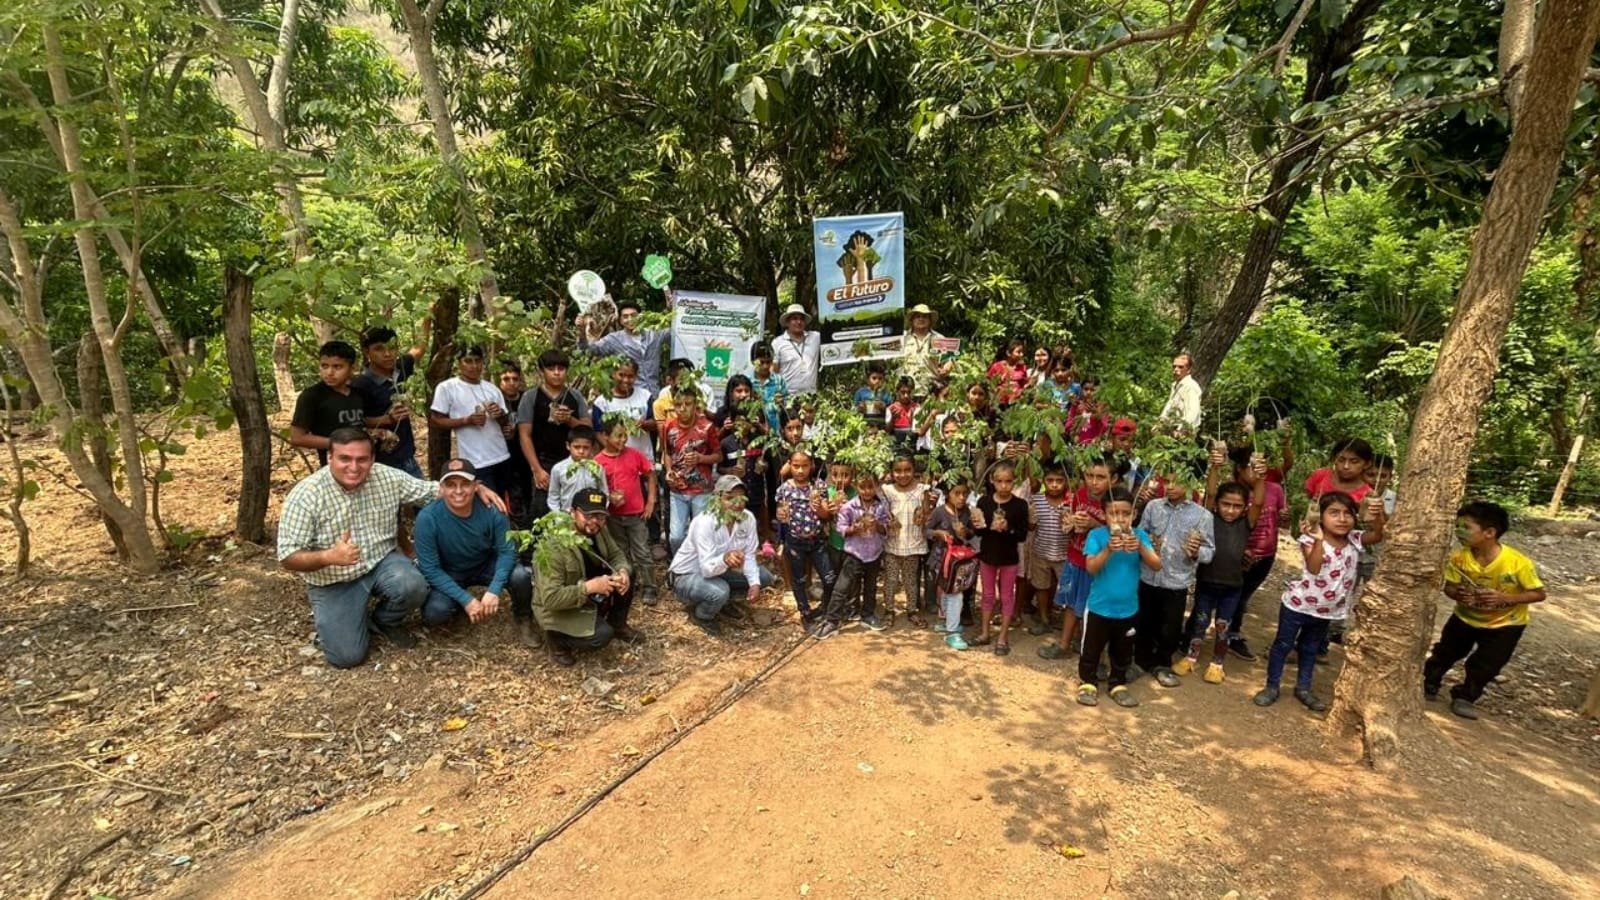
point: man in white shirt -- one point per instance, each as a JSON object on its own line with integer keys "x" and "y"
{"x": 471, "y": 407}
{"x": 718, "y": 557}
{"x": 1183, "y": 403}
{"x": 797, "y": 352}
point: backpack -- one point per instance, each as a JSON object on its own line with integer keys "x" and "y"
{"x": 958, "y": 570}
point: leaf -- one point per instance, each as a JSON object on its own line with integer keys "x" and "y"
{"x": 1070, "y": 852}
{"x": 738, "y": 7}
{"x": 454, "y": 723}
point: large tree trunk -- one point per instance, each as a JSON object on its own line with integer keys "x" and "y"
{"x": 92, "y": 410}
{"x": 282, "y": 377}
{"x": 419, "y": 25}
{"x": 1325, "y": 78}
{"x": 446, "y": 316}
{"x": 249, "y": 409}
{"x": 19, "y": 492}
{"x": 1379, "y": 692}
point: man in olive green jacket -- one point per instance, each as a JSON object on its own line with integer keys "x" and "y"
{"x": 585, "y": 591}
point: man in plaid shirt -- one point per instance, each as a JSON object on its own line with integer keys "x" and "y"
{"x": 338, "y": 532}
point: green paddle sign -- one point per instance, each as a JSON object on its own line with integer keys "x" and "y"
{"x": 657, "y": 271}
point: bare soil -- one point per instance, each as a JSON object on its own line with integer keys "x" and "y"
{"x": 178, "y": 734}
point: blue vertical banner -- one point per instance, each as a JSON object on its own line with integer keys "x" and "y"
{"x": 861, "y": 286}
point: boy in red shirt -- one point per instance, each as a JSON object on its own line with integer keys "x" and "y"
{"x": 633, "y": 502}
{"x": 691, "y": 445}
{"x": 1088, "y": 513}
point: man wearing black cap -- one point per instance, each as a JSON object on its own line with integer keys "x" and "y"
{"x": 718, "y": 557}
{"x": 462, "y": 542}
{"x": 472, "y": 408}
{"x": 586, "y": 587}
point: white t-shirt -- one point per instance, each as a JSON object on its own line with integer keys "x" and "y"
{"x": 481, "y": 445}
{"x": 799, "y": 362}
{"x": 637, "y": 406}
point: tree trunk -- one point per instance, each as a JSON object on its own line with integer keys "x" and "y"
{"x": 92, "y": 409}
{"x": 446, "y": 316}
{"x": 282, "y": 378}
{"x": 19, "y": 493}
{"x": 1325, "y": 78}
{"x": 249, "y": 409}
{"x": 420, "y": 25}
{"x": 1378, "y": 693}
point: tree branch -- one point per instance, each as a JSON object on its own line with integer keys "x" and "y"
{"x": 282, "y": 61}
{"x": 1012, "y": 51}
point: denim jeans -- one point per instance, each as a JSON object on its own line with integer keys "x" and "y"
{"x": 797, "y": 553}
{"x": 1219, "y": 601}
{"x": 684, "y": 508}
{"x": 1296, "y": 631}
{"x": 340, "y": 610}
{"x": 410, "y": 467}
{"x": 857, "y": 578}
{"x": 440, "y": 607}
{"x": 1254, "y": 577}
{"x": 706, "y": 597}
{"x": 632, "y": 534}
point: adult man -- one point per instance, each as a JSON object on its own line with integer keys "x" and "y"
{"x": 921, "y": 361}
{"x": 798, "y": 352}
{"x": 338, "y": 532}
{"x": 585, "y": 586}
{"x": 718, "y": 558}
{"x": 386, "y": 368}
{"x": 471, "y": 407}
{"x": 643, "y": 347}
{"x": 1183, "y": 403}
{"x": 462, "y": 542}
{"x": 544, "y": 417}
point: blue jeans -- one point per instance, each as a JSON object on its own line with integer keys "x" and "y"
{"x": 410, "y": 467}
{"x": 340, "y": 610}
{"x": 706, "y": 597}
{"x": 1254, "y": 577}
{"x": 440, "y": 607}
{"x": 1296, "y": 631}
{"x": 684, "y": 507}
{"x": 797, "y": 553}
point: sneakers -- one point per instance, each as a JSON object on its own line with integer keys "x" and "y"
{"x": 955, "y": 641}
{"x": 1464, "y": 708}
{"x": 825, "y": 629}
{"x": 1089, "y": 695}
{"x": 809, "y": 617}
{"x": 1266, "y": 696}
{"x": 1310, "y": 701}
{"x": 629, "y": 635}
{"x": 561, "y": 656}
{"x": 531, "y": 635}
{"x": 1214, "y": 674}
{"x": 1239, "y": 648}
{"x": 1183, "y": 666}
{"x": 397, "y": 635}
{"x": 649, "y": 597}
{"x": 709, "y": 626}
{"x": 1051, "y": 651}
{"x": 1167, "y": 678}
{"x": 1123, "y": 697}
{"x": 873, "y": 623}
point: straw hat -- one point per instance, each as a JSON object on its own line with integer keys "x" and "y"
{"x": 922, "y": 309}
{"x": 794, "y": 309}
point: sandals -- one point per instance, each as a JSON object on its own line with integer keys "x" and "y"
{"x": 1051, "y": 651}
{"x": 1310, "y": 701}
{"x": 1121, "y": 696}
{"x": 1089, "y": 695}
{"x": 1002, "y": 649}
{"x": 1038, "y": 628}
{"x": 917, "y": 620}
{"x": 981, "y": 640}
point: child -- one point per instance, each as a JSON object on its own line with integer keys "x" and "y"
{"x": 1182, "y": 533}
{"x": 909, "y": 502}
{"x": 951, "y": 523}
{"x": 1250, "y": 470}
{"x": 690, "y": 447}
{"x": 863, "y": 522}
{"x": 1235, "y": 509}
{"x": 1089, "y": 420}
{"x": 1062, "y": 389}
{"x": 330, "y": 404}
{"x": 1112, "y": 554}
{"x": 1331, "y": 547}
{"x": 740, "y": 428}
{"x": 903, "y": 415}
{"x": 545, "y": 417}
{"x": 803, "y": 538}
{"x": 1049, "y": 518}
{"x": 1003, "y": 526}
{"x": 872, "y": 399}
{"x": 768, "y": 385}
{"x": 1072, "y": 596}
{"x": 1346, "y": 473}
{"x": 633, "y": 501}
{"x": 1009, "y": 372}
{"x": 1379, "y": 476}
{"x": 471, "y": 407}
{"x": 828, "y": 502}
{"x": 578, "y": 472}
{"x": 1493, "y": 586}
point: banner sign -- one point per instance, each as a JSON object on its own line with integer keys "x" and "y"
{"x": 716, "y": 332}
{"x": 947, "y": 348}
{"x": 861, "y": 293}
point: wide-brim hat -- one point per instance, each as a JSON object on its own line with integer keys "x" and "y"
{"x": 922, "y": 309}
{"x": 793, "y": 310}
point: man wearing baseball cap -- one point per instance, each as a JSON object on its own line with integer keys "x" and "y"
{"x": 585, "y": 588}
{"x": 718, "y": 557}
{"x": 798, "y": 352}
{"x": 461, "y": 542}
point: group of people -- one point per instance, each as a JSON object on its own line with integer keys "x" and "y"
{"x": 1134, "y": 566}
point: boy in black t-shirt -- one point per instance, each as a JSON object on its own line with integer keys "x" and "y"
{"x": 387, "y": 366}
{"x": 544, "y": 417}
{"x": 329, "y": 404}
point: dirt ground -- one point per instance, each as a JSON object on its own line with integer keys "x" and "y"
{"x": 179, "y": 735}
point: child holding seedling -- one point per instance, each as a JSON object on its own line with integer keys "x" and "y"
{"x": 952, "y": 526}
{"x": 805, "y": 543}
{"x": 1072, "y": 596}
{"x": 909, "y": 503}
{"x": 1113, "y": 554}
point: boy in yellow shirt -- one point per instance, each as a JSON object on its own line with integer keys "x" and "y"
{"x": 1492, "y": 585}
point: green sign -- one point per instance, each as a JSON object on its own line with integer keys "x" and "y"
{"x": 718, "y": 361}
{"x": 657, "y": 271}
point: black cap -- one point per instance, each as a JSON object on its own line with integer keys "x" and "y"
{"x": 591, "y": 502}
{"x": 459, "y": 468}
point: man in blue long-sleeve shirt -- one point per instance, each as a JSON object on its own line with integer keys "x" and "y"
{"x": 461, "y": 543}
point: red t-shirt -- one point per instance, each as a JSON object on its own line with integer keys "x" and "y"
{"x": 1321, "y": 482}
{"x": 623, "y": 474}
{"x": 701, "y": 437}
{"x": 901, "y": 418}
{"x": 1082, "y": 502}
{"x": 1013, "y": 380}
{"x": 1086, "y": 424}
